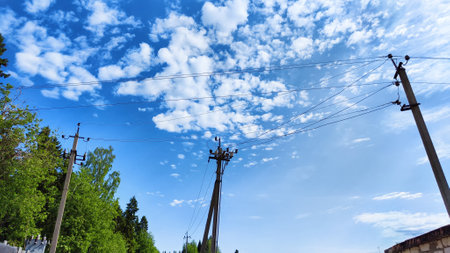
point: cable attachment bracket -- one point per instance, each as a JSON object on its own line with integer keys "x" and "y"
{"x": 408, "y": 107}
{"x": 396, "y": 102}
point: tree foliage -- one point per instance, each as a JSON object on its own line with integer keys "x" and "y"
{"x": 134, "y": 231}
{"x": 32, "y": 174}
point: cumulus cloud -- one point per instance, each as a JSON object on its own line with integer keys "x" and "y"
{"x": 398, "y": 195}
{"x": 132, "y": 64}
{"x": 303, "y": 47}
{"x": 103, "y": 16}
{"x": 359, "y": 140}
{"x": 175, "y": 175}
{"x": 34, "y": 6}
{"x": 394, "y": 224}
{"x": 225, "y": 19}
{"x": 176, "y": 202}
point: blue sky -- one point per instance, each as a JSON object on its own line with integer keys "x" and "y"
{"x": 157, "y": 80}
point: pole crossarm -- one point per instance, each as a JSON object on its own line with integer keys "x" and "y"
{"x": 423, "y": 131}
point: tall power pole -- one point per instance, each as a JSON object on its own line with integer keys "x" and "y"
{"x": 222, "y": 158}
{"x": 426, "y": 139}
{"x": 187, "y": 240}
{"x": 62, "y": 203}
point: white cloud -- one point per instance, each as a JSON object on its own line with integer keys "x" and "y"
{"x": 175, "y": 175}
{"x": 295, "y": 155}
{"x": 395, "y": 224}
{"x": 180, "y": 156}
{"x": 337, "y": 26}
{"x": 359, "y": 140}
{"x": 24, "y": 81}
{"x": 250, "y": 164}
{"x": 303, "y": 47}
{"x": 34, "y": 6}
{"x": 162, "y": 28}
{"x": 176, "y": 202}
{"x": 225, "y": 19}
{"x": 53, "y": 93}
{"x": 103, "y": 16}
{"x": 360, "y": 37}
{"x": 79, "y": 74}
{"x": 9, "y": 22}
{"x": 255, "y": 217}
{"x": 131, "y": 65}
{"x": 399, "y": 195}
{"x": 268, "y": 159}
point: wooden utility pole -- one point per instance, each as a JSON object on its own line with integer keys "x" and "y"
{"x": 187, "y": 240}
{"x": 222, "y": 158}
{"x": 62, "y": 203}
{"x": 426, "y": 139}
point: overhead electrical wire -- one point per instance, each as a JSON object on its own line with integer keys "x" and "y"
{"x": 320, "y": 103}
{"x": 350, "y": 106}
{"x": 206, "y": 209}
{"x": 366, "y": 96}
{"x": 127, "y": 123}
{"x": 206, "y": 74}
{"x": 256, "y": 139}
{"x": 430, "y": 58}
{"x": 190, "y": 99}
{"x": 303, "y": 130}
{"x": 198, "y": 196}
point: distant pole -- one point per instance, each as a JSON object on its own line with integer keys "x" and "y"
{"x": 62, "y": 203}
{"x": 426, "y": 139}
{"x": 220, "y": 155}
{"x": 187, "y": 240}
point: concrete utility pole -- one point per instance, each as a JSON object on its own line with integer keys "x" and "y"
{"x": 187, "y": 240}
{"x": 73, "y": 158}
{"x": 426, "y": 139}
{"x": 222, "y": 157}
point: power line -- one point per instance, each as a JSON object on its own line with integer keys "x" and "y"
{"x": 430, "y": 58}
{"x": 318, "y": 104}
{"x": 206, "y": 210}
{"x": 256, "y": 139}
{"x": 303, "y": 130}
{"x": 348, "y": 107}
{"x": 136, "y": 140}
{"x": 207, "y": 74}
{"x": 367, "y": 95}
{"x": 192, "y": 98}
{"x": 127, "y": 123}
{"x": 198, "y": 195}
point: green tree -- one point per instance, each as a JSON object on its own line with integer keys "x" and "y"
{"x": 191, "y": 248}
{"x": 89, "y": 220}
{"x": 29, "y": 164}
{"x": 129, "y": 230}
{"x": 208, "y": 246}
{"x": 135, "y": 232}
